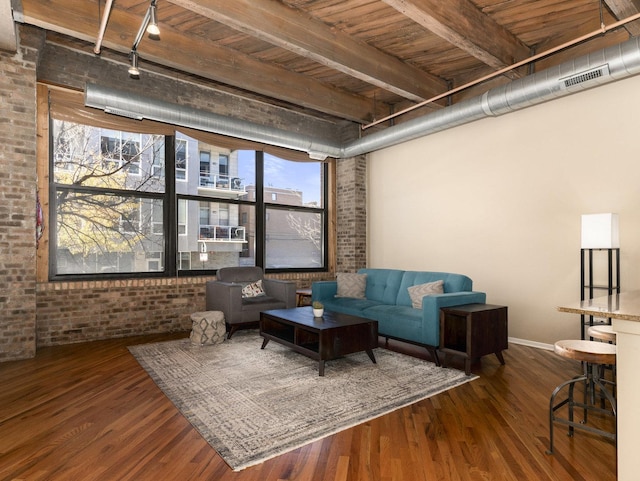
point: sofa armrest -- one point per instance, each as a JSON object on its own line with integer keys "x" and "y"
{"x": 321, "y": 290}
{"x": 282, "y": 290}
{"x": 431, "y": 306}
{"x": 433, "y": 303}
{"x": 225, "y": 297}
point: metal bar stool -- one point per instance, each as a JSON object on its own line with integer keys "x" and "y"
{"x": 602, "y": 332}
{"x": 605, "y": 333}
{"x": 594, "y": 356}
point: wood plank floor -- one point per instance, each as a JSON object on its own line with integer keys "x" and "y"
{"x": 90, "y": 412}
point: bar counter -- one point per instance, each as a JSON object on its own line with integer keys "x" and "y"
{"x": 624, "y": 311}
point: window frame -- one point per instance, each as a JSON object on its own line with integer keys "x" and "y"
{"x": 169, "y": 198}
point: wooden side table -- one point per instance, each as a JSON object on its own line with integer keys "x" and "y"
{"x": 303, "y": 297}
{"x": 473, "y": 331}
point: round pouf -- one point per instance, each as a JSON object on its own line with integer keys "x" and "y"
{"x": 207, "y": 327}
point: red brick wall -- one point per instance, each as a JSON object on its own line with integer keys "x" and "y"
{"x": 69, "y": 312}
{"x": 351, "y": 219}
{"x": 18, "y": 199}
{"x": 49, "y": 313}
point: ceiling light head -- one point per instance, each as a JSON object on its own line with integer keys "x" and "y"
{"x": 134, "y": 71}
{"x": 152, "y": 27}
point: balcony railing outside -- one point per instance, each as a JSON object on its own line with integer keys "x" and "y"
{"x": 222, "y": 233}
{"x": 221, "y": 182}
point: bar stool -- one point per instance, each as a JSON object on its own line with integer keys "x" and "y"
{"x": 594, "y": 356}
{"x": 602, "y": 332}
{"x": 605, "y": 333}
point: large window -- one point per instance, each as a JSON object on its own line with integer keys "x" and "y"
{"x": 114, "y": 210}
{"x": 295, "y": 227}
{"x": 108, "y": 196}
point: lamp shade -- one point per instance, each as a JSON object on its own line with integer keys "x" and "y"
{"x": 600, "y": 231}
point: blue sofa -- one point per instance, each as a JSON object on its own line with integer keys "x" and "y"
{"x": 387, "y": 301}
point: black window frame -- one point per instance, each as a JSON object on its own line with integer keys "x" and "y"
{"x": 170, "y": 219}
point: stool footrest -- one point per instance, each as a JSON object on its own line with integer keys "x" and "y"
{"x": 590, "y": 382}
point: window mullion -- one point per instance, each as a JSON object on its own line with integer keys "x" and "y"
{"x": 170, "y": 210}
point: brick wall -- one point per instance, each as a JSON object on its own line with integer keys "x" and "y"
{"x": 49, "y": 313}
{"x": 18, "y": 198}
{"x": 69, "y": 312}
{"x": 351, "y": 219}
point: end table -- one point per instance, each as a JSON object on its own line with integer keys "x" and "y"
{"x": 473, "y": 331}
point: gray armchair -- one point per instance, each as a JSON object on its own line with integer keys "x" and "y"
{"x": 225, "y": 294}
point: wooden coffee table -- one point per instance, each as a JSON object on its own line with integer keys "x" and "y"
{"x": 321, "y": 338}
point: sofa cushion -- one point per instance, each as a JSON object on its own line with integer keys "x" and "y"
{"x": 348, "y": 305}
{"x": 351, "y": 285}
{"x": 383, "y": 284}
{"x": 416, "y": 293}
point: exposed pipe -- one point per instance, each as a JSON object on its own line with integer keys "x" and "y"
{"x": 103, "y": 27}
{"x": 603, "y": 29}
{"x": 605, "y": 66}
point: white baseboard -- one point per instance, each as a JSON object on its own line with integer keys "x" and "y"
{"x": 526, "y": 342}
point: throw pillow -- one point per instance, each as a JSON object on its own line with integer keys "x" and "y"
{"x": 351, "y": 285}
{"x": 253, "y": 289}
{"x": 418, "y": 292}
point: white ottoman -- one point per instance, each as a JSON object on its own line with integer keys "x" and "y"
{"x": 208, "y": 327}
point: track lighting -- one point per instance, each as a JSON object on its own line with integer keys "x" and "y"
{"x": 134, "y": 72}
{"x": 152, "y": 27}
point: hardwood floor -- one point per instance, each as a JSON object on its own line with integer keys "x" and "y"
{"x": 90, "y": 412}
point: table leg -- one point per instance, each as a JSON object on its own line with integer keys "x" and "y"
{"x": 371, "y": 356}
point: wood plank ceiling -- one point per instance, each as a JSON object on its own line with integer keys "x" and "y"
{"x": 358, "y": 60}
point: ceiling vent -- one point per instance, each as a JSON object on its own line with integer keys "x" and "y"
{"x": 586, "y": 76}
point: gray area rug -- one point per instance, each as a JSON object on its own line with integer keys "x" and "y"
{"x": 252, "y": 404}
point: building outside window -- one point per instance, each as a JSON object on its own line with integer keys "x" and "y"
{"x": 109, "y": 201}
{"x": 181, "y": 159}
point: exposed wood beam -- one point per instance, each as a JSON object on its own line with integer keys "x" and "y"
{"x": 7, "y": 28}
{"x": 80, "y": 20}
{"x": 287, "y": 28}
{"x": 625, "y": 8}
{"x": 460, "y": 23}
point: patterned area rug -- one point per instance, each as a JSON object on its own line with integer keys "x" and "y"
{"x": 252, "y": 404}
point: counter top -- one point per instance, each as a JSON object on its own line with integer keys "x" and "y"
{"x": 625, "y": 305}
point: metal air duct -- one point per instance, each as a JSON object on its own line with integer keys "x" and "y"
{"x": 613, "y": 63}
{"x": 138, "y": 107}
{"x": 605, "y": 66}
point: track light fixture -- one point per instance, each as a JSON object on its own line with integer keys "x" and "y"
{"x": 152, "y": 27}
{"x": 134, "y": 71}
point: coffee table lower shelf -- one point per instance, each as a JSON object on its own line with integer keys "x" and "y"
{"x": 320, "y": 338}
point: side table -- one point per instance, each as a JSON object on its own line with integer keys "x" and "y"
{"x": 303, "y": 297}
{"x": 473, "y": 331}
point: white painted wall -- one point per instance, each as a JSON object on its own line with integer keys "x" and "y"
{"x": 500, "y": 200}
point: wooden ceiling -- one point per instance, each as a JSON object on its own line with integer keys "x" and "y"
{"x": 359, "y": 60}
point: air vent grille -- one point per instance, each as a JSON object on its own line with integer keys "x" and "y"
{"x": 586, "y": 76}
{"x": 123, "y": 113}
